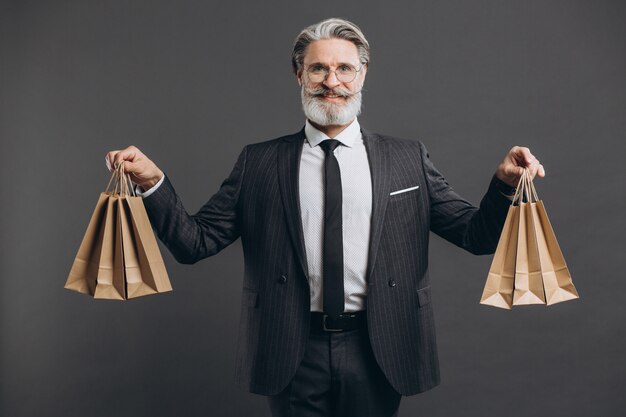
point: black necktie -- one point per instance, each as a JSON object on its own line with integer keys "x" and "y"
{"x": 333, "y": 236}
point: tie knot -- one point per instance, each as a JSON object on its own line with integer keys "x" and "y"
{"x": 329, "y": 145}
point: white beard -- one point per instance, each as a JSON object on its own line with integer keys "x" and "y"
{"x": 330, "y": 114}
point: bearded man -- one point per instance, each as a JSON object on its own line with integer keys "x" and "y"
{"x": 336, "y": 318}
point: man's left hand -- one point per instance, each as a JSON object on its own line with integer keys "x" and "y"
{"x": 510, "y": 169}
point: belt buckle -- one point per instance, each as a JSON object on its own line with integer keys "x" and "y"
{"x": 326, "y": 329}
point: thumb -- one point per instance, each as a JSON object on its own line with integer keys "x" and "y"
{"x": 514, "y": 171}
{"x": 131, "y": 167}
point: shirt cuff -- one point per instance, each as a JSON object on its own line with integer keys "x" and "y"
{"x": 147, "y": 193}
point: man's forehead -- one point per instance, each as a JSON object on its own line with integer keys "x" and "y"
{"x": 331, "y": 51}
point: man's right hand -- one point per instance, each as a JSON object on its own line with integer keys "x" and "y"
{"x": 141, "y": 169}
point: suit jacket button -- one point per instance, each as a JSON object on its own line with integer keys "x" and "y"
{"x": 392, "y": 283}
{"x": 282, "y": 279}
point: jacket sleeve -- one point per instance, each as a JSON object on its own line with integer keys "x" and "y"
{"x": 475, "y": 229}
{"x": 191, "y": 238}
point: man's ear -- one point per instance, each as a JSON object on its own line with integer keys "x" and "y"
{"x": 299, "y": 77}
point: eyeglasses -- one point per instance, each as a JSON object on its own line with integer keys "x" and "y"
{"x": 345, "y": 73}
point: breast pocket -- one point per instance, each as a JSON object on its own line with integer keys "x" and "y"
{"x": 404, "y": 193}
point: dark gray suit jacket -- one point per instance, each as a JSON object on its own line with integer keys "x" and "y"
{"x": 259, "y": 203}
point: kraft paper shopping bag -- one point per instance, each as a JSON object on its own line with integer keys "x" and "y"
{"x": 498, "y": 291}
{"x": 110, "y": 276}
{"x": 150, "y": 259}
{"x": 119, "y": 257}
{"x": 528, "y": 280}
{"x": 81, "y": 277}
{"x": 557, "y": 280}
{"x": 532, "y": 256}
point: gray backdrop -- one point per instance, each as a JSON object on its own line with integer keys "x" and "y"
{"x": 192, "y": 82}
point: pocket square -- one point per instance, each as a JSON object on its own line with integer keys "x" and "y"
{"x": 404, "y": 190}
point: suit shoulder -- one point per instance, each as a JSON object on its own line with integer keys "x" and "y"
{"x": 270, "y": 143}
{"x": 402, "y": 144}
{"x": 262, "y": 155}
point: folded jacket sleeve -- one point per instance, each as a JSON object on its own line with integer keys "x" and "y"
{"x": 191, "y": 238}
{"x": 475, "y": 229}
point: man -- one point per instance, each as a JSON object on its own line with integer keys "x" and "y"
{"x": 334, "y": 220}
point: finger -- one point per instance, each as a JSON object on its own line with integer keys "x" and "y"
{"x": 130, "y": 167}
{"x": 541, "y": 171}
{"x": 110, "y": 159}
{"x": 532, "y": 168}
{"x": 522, "y": 155}
{"x": 536, "y": 169}
{"x": 529, "y": 158}
{"x": 129, "y": 154}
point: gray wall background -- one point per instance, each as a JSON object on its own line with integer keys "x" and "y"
{"x": 192, "y": 82}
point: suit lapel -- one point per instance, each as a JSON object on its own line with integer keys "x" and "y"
{"x": 378, "y": 156}
{"x": 290, "y": 149}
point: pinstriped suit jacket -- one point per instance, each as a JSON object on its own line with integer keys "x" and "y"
{"x": 259, "y": 203}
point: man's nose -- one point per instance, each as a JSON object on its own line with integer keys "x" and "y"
{"x": 331, "y": 80}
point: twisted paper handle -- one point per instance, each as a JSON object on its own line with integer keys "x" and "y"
{"x": 120, "y": 183}
{"x": 525, "y": 189}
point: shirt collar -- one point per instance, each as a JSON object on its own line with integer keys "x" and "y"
{"x": 346, "y": 137}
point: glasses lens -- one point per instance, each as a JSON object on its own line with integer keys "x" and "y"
{"x": 317, "y": 73}
{"x": 345, "y": 73}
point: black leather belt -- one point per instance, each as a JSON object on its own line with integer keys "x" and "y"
{"x": 320, "y": 322}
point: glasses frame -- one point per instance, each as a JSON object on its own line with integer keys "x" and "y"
{"x": 327, "y": 70}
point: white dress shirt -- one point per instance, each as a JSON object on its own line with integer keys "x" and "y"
{"x": 356, "y": 216}
{"x": 356, "y": 206}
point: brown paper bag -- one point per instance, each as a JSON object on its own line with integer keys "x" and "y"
{"x": 82, "y": 277}
{"x": 110, "y": 277}
{"x": 137, "y": 283}
{"x": 112, "y": 261}
{"x": 498, "y": 291}
{"x": 528, "y": 280}
{"x": 151, "y": 262}
{"x": 557, "y": 281}
{"x": 540, "y": 273}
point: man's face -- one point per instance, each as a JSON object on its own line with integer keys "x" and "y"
{"x": 331, "y": 100}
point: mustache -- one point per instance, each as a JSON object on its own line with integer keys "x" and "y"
{"x": 323, "y": 90}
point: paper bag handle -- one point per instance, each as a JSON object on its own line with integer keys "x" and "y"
{"x": 120, "y": 183}
{"x": 525, "y": 189}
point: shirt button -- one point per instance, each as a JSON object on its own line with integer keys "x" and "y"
{"x": 282, "y": 279}
{"x": 392, "y": 283}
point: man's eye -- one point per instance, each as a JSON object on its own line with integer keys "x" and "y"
{"x": 345, "y": 68}
{"x": 317, "y": 68}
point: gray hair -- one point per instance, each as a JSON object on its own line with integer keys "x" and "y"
{"x": 329, "y": 29}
